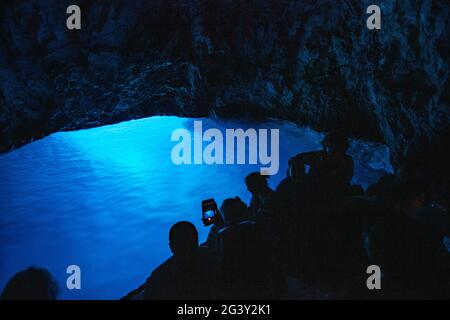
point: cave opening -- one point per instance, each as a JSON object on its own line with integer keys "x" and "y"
{"x": 104, "y": 198}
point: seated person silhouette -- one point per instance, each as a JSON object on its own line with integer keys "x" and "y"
{"x": 336, "y": 165}
{"x": 293, "y": 190}
{"x": 331, "y": 169}
{"x": 265, "y": 208}
{"x": 262, "y": 196}
{"x": 294, "y": 214}
{"x": 188, "y": 274}
{"x": 245, "y": 265}
{"x": 31, "y": 284}
{"x": 326, "y": 176}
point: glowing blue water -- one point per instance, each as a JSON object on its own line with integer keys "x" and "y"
{"x": 105, "y": 198}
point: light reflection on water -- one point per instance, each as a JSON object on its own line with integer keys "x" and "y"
{"x": 105, "y": 198}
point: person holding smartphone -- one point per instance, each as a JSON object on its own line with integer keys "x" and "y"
{"x": 211, "y": 217}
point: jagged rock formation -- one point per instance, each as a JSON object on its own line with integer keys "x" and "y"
{"x": 312, "y": 62}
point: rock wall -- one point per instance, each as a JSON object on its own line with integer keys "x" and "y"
{"x": 312, "y": 62}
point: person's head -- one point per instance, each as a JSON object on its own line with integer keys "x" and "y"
{"x": 335, "y": 143}
{"x": 233, "y": 210}
{"x": 31, "y": 284}
{"x": 183, "y": 238}
{"x": 256, "y": 183}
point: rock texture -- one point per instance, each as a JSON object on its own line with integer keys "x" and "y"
{"x": 312, "y": 62}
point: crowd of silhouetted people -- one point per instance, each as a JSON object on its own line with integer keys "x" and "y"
{"x": 316, "y": 228}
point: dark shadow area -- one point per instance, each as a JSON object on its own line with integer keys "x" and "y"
{"x": 315, "y": 233}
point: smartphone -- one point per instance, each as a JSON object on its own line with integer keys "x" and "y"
{"x": 209, "y": 211}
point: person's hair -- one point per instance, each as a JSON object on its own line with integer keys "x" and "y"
{"x": 337, "y": 140}
{"x": 31, "y": 284}
{"x": 233, "y": 210}
{"x": 255, "y": 178}
{"x": 183, "y": 236}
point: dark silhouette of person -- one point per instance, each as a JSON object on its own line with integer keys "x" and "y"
{"x": 265, "y": 209}
{"x": 263, "y": 197}
{"x": 31, "y": 284}
{"x": 188, "y": 274}
{"x": 337, "y": 166}
{"x": 233, "y": 211}
{"x": 319, "y": 185}
{"x": 246, "y": 264}
{"x": 295, "y": 222}
{"x": 331, "y": 169}
{"x": 294, "y": 188}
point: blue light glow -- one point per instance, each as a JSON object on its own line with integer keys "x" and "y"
{"x": 105, "y": 198}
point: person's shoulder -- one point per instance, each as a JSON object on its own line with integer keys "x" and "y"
{"x": 283, "y": 185}
{"x": 156, "y": 284}
{"x": 161, "y": 269}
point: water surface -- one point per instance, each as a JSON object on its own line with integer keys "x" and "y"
{"x": 105, "y": 198}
